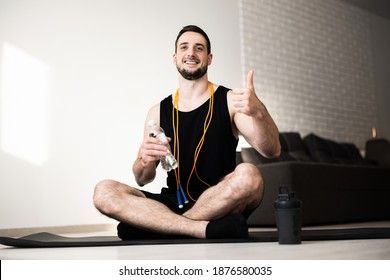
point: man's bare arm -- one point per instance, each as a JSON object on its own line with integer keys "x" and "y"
{"x": 252, "y": 120}
{"x": 151, "y": 149}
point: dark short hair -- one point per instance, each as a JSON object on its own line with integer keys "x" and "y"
{"x": 194, "y": 28}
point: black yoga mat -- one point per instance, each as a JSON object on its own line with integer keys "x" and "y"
{"x": 49, "y": 240}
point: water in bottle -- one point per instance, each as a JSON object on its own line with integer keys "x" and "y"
{"x": 168, "y": 162}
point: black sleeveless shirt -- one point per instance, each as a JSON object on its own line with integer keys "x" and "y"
{"x": 217, "y": 157}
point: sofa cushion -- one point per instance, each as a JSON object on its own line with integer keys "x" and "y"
{"x": 250, "y": 155}
{"x": 293, "y": 147}
{"x": 347, "y": 153}
{"x": 329, "y": 151}
{"x": 319, "y": 148}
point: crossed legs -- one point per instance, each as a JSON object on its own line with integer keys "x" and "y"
{"x": 239, "y": 191}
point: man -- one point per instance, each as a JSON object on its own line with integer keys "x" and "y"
{"x": 203, "y": 122}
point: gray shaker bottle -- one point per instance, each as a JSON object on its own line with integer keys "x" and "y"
{"x": 288, "y": 217}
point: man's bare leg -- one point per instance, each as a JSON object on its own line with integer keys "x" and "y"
{"x": 130, "y": 206}
{"x": 240, "y": 190}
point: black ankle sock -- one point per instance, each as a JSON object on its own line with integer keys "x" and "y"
{"x": 128, "y": 232}
{"x": 231, "y": 226}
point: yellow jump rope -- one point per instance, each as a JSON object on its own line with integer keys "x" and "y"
{"x": 181, "y": 195}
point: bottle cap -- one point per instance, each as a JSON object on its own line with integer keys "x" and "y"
{"x": 286, "y": 199}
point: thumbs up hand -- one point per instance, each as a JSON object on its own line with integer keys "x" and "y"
{"x": 253, "y": 121}
{"x": 245, "y": 100}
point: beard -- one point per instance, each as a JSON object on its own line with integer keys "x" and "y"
{"x": 192, "y": 75}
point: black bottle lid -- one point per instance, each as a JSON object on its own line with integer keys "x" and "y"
{"x": 286, "y": 199}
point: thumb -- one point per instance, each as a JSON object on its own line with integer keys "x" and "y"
{"x": 249, "y": 79}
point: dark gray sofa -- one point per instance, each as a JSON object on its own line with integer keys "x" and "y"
{"x": 333, "y": 181}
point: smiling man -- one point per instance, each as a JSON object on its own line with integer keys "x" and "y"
{"x": 192, "y": 61}
{"x": 204, "y": 121}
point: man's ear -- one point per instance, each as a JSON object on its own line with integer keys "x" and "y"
{"x": 174, "y": 58}
{"x": 210, "y": 58}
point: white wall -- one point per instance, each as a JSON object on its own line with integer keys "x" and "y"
{"x": 76, "y": 80}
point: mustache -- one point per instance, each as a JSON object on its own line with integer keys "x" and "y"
{"x": 191, "y": 59}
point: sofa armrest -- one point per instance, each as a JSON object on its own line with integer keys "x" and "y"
{"x": 378, "y": 151}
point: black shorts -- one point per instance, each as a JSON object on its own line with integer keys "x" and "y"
{"x": 170, "y": 200}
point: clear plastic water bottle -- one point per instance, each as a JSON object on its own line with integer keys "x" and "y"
{"x": 168, "y": 162}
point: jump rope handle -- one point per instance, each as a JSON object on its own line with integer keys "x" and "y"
{"x": 181, "y": 196}
{"x": 179, "y": 200}
{"x": 185, "y": 198}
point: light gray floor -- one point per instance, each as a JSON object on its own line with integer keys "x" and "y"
{"x": 370, "y": 249}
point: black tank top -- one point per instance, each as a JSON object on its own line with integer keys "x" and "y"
{"x": 217, "y": 157}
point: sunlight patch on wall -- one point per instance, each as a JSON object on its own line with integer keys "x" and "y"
{"x": 25, "y": 87}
